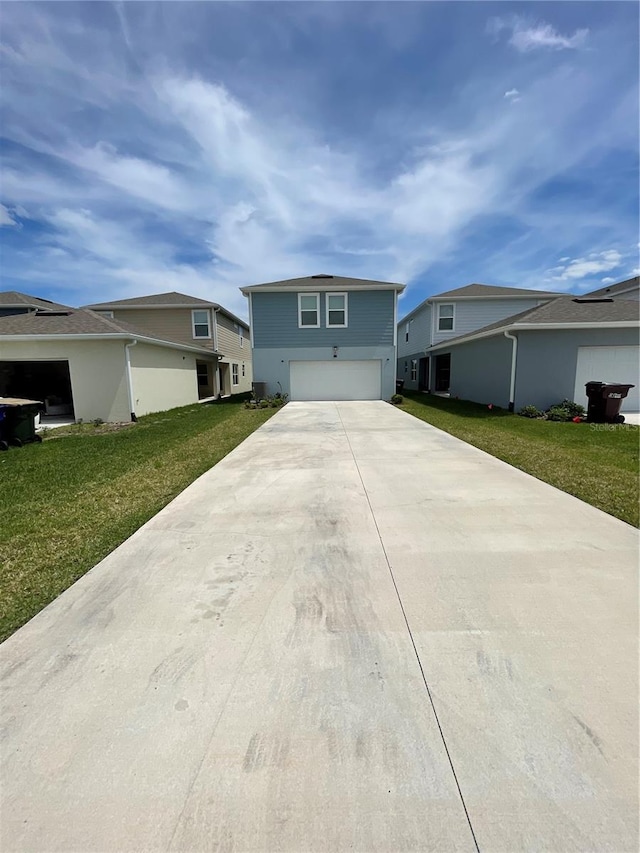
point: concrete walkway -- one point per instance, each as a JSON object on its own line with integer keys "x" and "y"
{"x": 354, "y": 633}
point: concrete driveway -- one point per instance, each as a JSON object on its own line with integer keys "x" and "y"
{"x": 354, "y": 633}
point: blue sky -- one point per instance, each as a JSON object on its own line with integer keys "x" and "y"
{"x": 203, "y": 146}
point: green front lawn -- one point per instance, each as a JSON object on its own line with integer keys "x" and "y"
{"x": 66, "y": 503}
{"x": 594, "y": 462}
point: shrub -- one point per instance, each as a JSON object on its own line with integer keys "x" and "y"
{"x": 575, "y": 409}
{"x": 558, "y": 413}
{"x": 264, "y": 404}
{"x": 397, "y": 399}
{"x": 531, "y": 412}
{"x": 567, "y": 410}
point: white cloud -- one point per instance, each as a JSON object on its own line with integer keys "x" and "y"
{"x": 607, "y": 280}
{"x": 579, "y": 268}
{"x": 145, "y": 166}
{"x": 527, "y": 36}
{"x": 5, "y": 216}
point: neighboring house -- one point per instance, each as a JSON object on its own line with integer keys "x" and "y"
{"x": 193, "y": 321}
{"x": 325, "y": 337}
{"x": 449, "y": 315}
{"x": 540, "y": 355}
{"x": 629, "y": 289}
{"x": 87, "y": 366}
{"x": 12, "y": 302}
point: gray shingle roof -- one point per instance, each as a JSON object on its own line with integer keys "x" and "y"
{"x": 169, "y": 299}
{"x": 562, "y": 311}
{"x": 613, "y": 289}
{"x": 325, "y": 280}
{"x": 470, "y": 290}
{"x": 15, "y": 298}
{"x": 173, "y": 299}
{"x": 77, "y": 321}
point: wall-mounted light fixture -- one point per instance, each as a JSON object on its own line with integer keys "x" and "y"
{"x": 335, "y": 352}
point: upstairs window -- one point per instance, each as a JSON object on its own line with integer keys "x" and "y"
{"x": 201, "y": 327}
{"x": 309, "y": 310}
{"x": 406, "y": 332}
{"x": 445, "y": 317}
{"x": 336, "y": 310}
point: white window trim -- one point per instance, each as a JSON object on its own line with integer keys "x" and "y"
{"x": 414, "y": 369}
{"x": 194, "y": 324}
{"x": 453, "y": 317}
{"x": 317, "y": 296}
{"x": 407, "y": 329}
{"x": 241, "y": 335}
{"x": 344, "y": 325}
{"x": 237, "y": 374}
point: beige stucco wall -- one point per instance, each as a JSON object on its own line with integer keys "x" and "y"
{"x": 162, "y": 378}
{"x": 176, "y": 324}
{"x": 97, "y": 370}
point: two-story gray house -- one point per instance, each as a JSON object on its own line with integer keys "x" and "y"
{"x": 514, "y": 347}
{"x": 449, "y": 315}
{"x": 325, "y": 337}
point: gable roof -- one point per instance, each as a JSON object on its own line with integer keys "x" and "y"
{"x": 561, "y": 313}
{"x": 324, "y": 281}
{"x": 471, "y": 291}
{"x": 15, "y": 299}
{"x": 618, "y": 288}
{"x": 82, "y": 323}
{"x": 172, "y": 299}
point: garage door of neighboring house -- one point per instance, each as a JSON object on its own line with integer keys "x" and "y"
{"x": 609, "y": 364}
{"x": 335, "y": 380}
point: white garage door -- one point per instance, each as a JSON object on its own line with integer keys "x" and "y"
{"x": 609, "y": 364}
{"x": 335, "y": 380}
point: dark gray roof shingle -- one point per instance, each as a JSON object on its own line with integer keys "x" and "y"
{"x": 564, "y": 310}
{"x": 614, "y": 289}
{"x": 15, "y": 298}
{"x": 76, "y": 321}
{"x": 470, "y": 290}
{"x": 324, "y": 280}
{"x": 170, "y": 299}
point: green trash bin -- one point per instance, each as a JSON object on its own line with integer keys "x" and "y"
{"x": 18, "y": 421}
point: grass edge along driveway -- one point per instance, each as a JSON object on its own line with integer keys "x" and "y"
{"x": 593, "y": 462}
{"x": 68, "y": 502}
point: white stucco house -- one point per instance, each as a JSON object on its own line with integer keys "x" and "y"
{"x": 86, "y": 366}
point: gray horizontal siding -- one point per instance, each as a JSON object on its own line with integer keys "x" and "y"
{"x": 474, "y": 314}
{"x": 419, "y": 332}
{"x": 404, "y": 370}
{"x": 275, "y": 321}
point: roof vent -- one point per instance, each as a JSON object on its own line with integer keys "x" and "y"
{"x": 590, "y": 299}
{"x": 322, "y": 275}
{"x": 45, "y": 312}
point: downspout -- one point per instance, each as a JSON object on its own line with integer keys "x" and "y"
{"x": 514, "y": 356}
{"x": 130, "y": 380}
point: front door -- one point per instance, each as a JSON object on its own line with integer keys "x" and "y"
{"x": 443, "y": 372}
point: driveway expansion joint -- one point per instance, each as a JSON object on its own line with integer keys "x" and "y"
{"x": 406, "y": 621}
